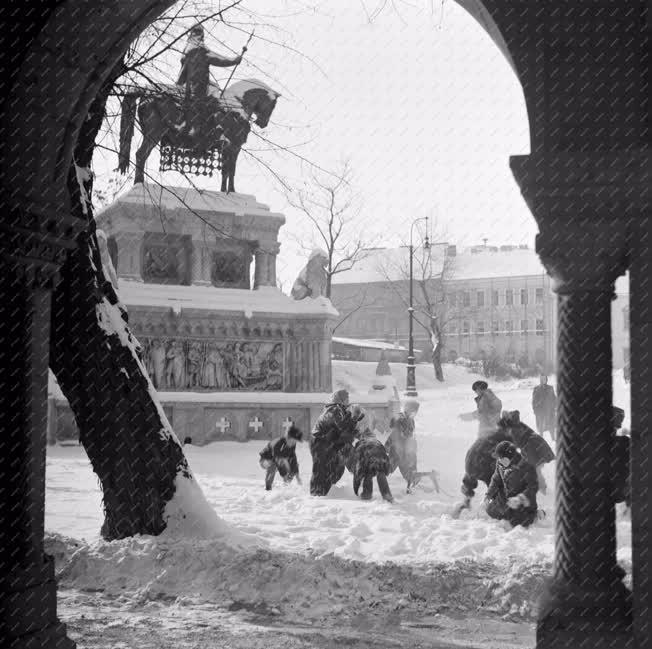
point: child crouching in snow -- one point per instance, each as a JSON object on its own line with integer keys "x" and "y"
{"x": 512, "y": 492}
{"x": 368, "y": 460}
{"x": 280, "y": 455}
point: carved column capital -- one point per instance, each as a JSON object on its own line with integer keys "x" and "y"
{"x": 584, "y": 255}
{"x": 584, "y": 203}
{"x": 36, "y": 244}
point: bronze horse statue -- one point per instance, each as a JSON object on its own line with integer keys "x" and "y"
{"x": 225, "y": 128}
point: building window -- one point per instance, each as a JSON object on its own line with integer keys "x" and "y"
{"x": 466, "y": 329}
{"x": 509, "y": 327}
{"x": 480, "y": 298}
{"x": 494, "y": 298}
{"x": 524, "y": 331}
{"x": 523, "y": 296}
{"x": 466, "y": 299}
{"x": 626, "y": 318}
{"x": 452, "y": 299}
{"x": 539, "y": 296}
{"x": 480, "y": 328}
{"x": 452, "y": 331}
{"x": 495, "y": 328}
{"x": 509, "y": 297}
{"x": 539, "y": 327}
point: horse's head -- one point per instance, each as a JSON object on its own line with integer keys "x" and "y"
{"x": 256, "y": 99}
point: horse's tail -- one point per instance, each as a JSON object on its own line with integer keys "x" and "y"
{"x": 127, "y": 123}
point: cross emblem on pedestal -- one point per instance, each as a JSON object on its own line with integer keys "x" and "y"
{"x": 223, "y": 424}
{"x": 287, "y": 424}
{"x": 256, "y": 424}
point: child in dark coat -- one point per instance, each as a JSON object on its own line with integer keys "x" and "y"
{"x": 280, "y": 455}
{"x": 512, "y": 492}
{"x": 331, "y": 443}
{"x": 369, "y": 460}
{"x": 533, "y": 446}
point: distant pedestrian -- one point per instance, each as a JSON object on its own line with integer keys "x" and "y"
{"x": 620, "y": 465}
{"x": 369, "y": 460}
{"x": 512, "y": 492}
{"x": 488, "y": 409}
{"x": 187, "y": 440}
{"x": 332, "y": 440}
{"x": 544, "y": 405}
{"x": 280, "y": 455}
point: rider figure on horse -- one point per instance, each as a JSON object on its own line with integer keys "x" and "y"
{"x": 195, "y": 76}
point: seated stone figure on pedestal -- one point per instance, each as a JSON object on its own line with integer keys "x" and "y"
{"x": 313, "y": 279}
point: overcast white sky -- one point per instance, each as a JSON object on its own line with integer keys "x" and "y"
{"x": 427, "y": 111}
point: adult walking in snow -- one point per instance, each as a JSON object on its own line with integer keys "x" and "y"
{"x": 369, "y": 460}
{"x": 332, "y": 440}
{"x": 401, "y": 447}
{"x": 512, "y": 493}
{"x": 533, "y": 447}
{"x": 488, "y": 409}
{"x": 280, "y": 455}
{"x": 544, "y": 405}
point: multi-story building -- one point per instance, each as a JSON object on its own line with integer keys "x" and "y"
{"x": 486, "y": 298}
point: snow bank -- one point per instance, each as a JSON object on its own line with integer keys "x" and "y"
{"x": 299, "y": 587}
{"x": 188, "y": 515}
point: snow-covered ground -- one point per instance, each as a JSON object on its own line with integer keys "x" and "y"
{"x": 311, "y": 558}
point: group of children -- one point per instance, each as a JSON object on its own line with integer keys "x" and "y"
{"x": 508, "y": 455}
{"x": 344, "y": 438}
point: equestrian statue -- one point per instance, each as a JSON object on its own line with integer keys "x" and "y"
{"x": 198, "y": 126}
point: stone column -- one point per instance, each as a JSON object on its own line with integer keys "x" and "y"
{"x": 587, "y": 591}
{"x": 640, "y": 324}
{"x": 33, "y": 247}
{"x": 265, "y": 266}
{"x": 130, "y": 255}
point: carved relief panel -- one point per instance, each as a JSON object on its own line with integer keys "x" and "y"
{"x": 166, "y": 258}
{"x": 176, "y": 364}
{"x": 231, "y": 264}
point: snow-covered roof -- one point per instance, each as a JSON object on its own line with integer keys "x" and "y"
{"x": 492, "y": 264}
{"x": 267, "y": 299}
{"x": 369, "y": 344}
{"x": 390, "y": 265}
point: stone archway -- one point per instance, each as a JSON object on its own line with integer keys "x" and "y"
{"x": 585, "y": 71}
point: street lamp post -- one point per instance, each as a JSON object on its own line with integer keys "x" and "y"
{"x": 411, "y": 386}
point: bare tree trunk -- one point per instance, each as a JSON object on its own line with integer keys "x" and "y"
{"x": 435, "y": 336}
{"x": 94, "y": 357}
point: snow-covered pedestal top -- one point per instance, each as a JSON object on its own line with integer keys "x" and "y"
{"x": 266, "y": 300}
{"x": 188, "y": 199}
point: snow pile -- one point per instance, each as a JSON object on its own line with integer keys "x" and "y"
{"x": 189, "y": 515}
{"x": 298, "y": 586}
